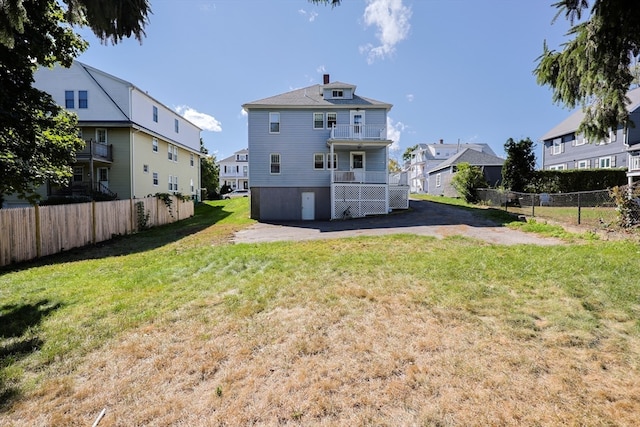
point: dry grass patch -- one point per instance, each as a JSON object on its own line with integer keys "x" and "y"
{"x": 355, "y": 362}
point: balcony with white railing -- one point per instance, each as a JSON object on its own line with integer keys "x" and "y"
{"x": 360, "y": 177}
{"x": 358, "y": 132}
{"x": 634, "y": 163}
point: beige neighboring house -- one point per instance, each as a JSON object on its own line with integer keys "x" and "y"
{"x": 234, "y": 170}
{"x": 135, "y": 145}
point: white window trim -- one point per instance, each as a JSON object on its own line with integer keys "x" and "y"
{"x": 335, "y": 161}
{"x": 106, "y": 136}
{"x": 609, "y": 160}
{"x": 557, "y": 147}
{"x": 583, "y": 164}
{"x": 558, "y": 167}
{"x": 271, "y": 163}
{"x": 155, "y": 179}
{"x": 154, "y": 145}
{"x": 272, "y": 115}
{"x": 315, "y": 162}
{"x": 335, "y": 122}
{"x": 438, "y": 180}
{"x": 314, "y": 121}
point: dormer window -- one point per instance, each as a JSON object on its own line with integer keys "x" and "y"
{"x": 337, "y": 93}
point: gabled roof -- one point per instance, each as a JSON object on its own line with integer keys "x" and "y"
{"x": 311, "y": 97}
{"x": 571, "y": 123}
{"x": 471, "y": 156}
{"x": 232, "y": 158}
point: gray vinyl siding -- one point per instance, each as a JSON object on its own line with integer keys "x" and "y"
{"x": 285, "y": 204}
{"x": 573, "y": 153}
{"x": 296, "y": 143}
{"x": 634, "y": 131}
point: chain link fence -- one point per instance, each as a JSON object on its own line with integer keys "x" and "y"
{"x": 594, "y": 209}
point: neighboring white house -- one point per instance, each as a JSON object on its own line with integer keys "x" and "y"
{"x": 234, "y": 170}
{"x": 427, "y": 156}
{"x": 135, "y": 145}
{"x": 320, "y": 152}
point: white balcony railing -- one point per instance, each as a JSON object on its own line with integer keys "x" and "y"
{"x": 360, "y": 177}
{"x": 375, "y": 132}
{"x": 634, "y": 163}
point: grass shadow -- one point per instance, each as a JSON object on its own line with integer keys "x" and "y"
{"x": 17, "y": 341}
{"x": 204, "y": 216}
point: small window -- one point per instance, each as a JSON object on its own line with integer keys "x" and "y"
{"x": 274, "y": 122}
{"x": 275, "y": 163}
{"x": 606, "y": 162}
{"x": 583, "y": 164}
{"x": 155, "y": 179}
{"x": 191, "y": 186}
{"x": 145, "y": 168}
{"x": 337, "y": 94}
{"x": 557, "y": 147}
{"x": 318, "y": 161}
{"x": 335, "y": 161}
{"x": 154, "y": 145}
{"x": 332, "y": 119}
{"x": 438, "y": 180}
{"x": 318, "y": 120}
{"x": 176, "y": 125}
{"x": 83, "y": 99}
{"x": 101, "y": 136}
{"x": 191, "y": 160}
{"x": 557, "y": 167}
{"x": 155, "y": 114}
{"x": 69, "y": 101}
{"x": 613, "y": 136}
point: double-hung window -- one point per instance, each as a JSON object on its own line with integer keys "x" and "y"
{"x": 176, "y": 125}
{"x": 275, "y": 163}
{"x": 155, "y": 179}
{"x": 557, "y": 147}
{"x": 318, "y": 120}
{"x": 172, "y": 153}
{"x": 274, "y": 122}
{"x": 83, "y": 99}
{"x": 101, "y": 136}
{"x": 334, "y": 164}
{"x": 154, "y": 145}
{"x": 318, "y": 161}
{"x": 173, "y": 183}
{"x": 191, "y": 160}
{"x": 155, "y": 114}
{"x": 332, "y": 118}
{"x": 607, "y": 162}
{"x": 69, "y": 101}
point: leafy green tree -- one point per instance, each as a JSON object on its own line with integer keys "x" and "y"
{"x": 209, "y": 172}
{"x": 594, "y": 69}
{"x": 38, "y": 139}
{"x": 406, "y": 156}
{"x": 519, "y": 167}
{"x": 467, "y": 180}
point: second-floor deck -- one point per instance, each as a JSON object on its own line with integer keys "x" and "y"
{"x": 96, "y": 151}
{"x": 358, "y": 132}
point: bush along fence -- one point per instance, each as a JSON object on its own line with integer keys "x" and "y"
{"x": 29, "y": 233}
{"x": 597, "y": 209}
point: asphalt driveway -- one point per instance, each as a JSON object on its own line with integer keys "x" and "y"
{"x": 423, "y": 218}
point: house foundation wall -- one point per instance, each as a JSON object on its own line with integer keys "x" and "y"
{"x": 285, "y": 203}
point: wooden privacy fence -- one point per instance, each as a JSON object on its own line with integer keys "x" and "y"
{"x": 28, "y": 233}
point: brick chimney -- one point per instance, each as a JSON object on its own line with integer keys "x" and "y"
{"x": 442, "y": 141}
{"x": 326, "y": 79}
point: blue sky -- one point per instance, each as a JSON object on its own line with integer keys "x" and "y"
{"x": 453, "y": 69}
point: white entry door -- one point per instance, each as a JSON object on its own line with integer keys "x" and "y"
{"x": 357, "y": 165}
{"x": 357, "y": 124}
{"x": 308, "y": 206}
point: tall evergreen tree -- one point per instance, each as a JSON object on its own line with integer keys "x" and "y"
{"x": 594, "y": 69}
{"x": 519, "y": 166}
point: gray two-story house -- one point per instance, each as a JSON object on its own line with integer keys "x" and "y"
{"x": 320, "y": 152}
{"x": 564, "y": 148}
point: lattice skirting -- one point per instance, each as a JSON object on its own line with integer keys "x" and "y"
{"x": 359, "y": 200}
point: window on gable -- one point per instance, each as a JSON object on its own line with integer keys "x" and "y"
{"x": 557, "y": 147}
{"x": 338, "y": 93}
{"x": 154, "y": 145}
{"x": 155, "y": 114}
{"x": 275, "y": 163}
{"x": 176, "y": 125}
{"x": 83, "y": 99}
{"x": 69, "y": 101}
{"x": 274, "y": 122}
{"x": 332, "y": 118}
{"x": 318, "y": 161}
{"x": 318, "y": 120}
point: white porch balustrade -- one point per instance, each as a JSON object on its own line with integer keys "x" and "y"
{"x": 357, "y": 132}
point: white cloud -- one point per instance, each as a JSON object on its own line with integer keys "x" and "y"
{"x": 394, "y": 131}
{"x": 202, "y": 120}
{"x": 391, "y": 18}
{"x": 410, "y": 97}
{"x": 311, "y": 15}
{"x": 243, "y": 113}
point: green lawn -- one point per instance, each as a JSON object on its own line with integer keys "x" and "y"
{"x": 292, "y": 332}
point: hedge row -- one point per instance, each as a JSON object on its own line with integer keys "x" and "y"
{"x": 569, "y": 181}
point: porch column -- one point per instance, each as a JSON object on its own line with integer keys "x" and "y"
{"x": 333, "y": 166}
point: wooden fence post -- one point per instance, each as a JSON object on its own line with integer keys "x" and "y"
{"x": 38, "y": 232}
